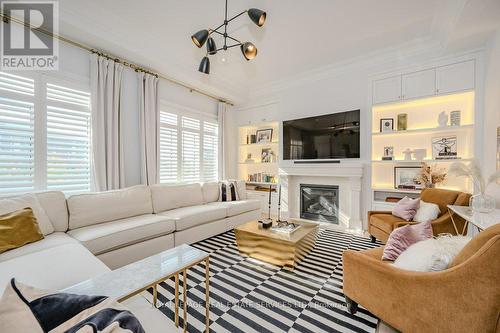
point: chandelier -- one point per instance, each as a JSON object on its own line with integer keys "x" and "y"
{"x": 248, "y": 49}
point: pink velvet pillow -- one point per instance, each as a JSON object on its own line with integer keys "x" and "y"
{"x": 406, "y": 208}
{"x": 401, "y": 238}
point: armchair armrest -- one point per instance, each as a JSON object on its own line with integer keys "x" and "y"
{"x": 372, "y": 212}
{"x": 460, "y": 299}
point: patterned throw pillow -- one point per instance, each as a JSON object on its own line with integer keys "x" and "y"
{"x": 228, "y": 191}
{"x": 26, "y": 309}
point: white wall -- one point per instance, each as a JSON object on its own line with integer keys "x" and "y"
{"x": 75, "y": 65}
{"x": 492, "y": 114}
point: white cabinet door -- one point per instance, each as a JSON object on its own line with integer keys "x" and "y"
{"x": 455, "y": 77}
{"x": 419, "y": 84}
{"x": 387, "y": 90}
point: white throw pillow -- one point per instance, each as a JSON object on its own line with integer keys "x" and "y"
{"x": 9, "y": 205}
{"x": 435, "y": 254}
{"x": 426, "y": 212}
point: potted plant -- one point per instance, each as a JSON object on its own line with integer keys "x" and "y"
{"x": 480, "y": 202}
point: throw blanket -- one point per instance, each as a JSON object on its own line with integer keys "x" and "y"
{"x": 26, "y": 309}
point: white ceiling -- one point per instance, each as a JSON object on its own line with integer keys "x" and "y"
{"x": 298, "y": 35}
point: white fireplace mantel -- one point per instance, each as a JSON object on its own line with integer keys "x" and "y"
{"x": 347, "y": 176}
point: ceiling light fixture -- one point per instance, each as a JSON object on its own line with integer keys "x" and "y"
{"x": 248, "y": 49}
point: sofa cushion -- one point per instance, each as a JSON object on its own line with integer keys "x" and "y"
{"x": 385, "y": 222}
{"x": 52, "y": 240}
{"x": 8, "y": 205}
{"x": 93, "y": 208}
{"x": 210, "y": 192}
{"x": 54, "y": 204}
{"x": 166, "y": 197}
{"x": 238, "y": 207}
{"x": 54, "y": 268}
{"x": 188, "y": 217}
{"x": 107, "y": 236}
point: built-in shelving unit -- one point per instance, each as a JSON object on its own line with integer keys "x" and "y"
{"x": 259, "y": 188}
{"x": 422, "y": 127}
{"x": 257, "y": 172}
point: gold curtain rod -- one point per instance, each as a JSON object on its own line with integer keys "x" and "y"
{"x": 7, "y": 19}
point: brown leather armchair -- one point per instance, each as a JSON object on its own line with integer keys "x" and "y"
{"x": 463, "y": 298}
{"x": 381, "y": 224}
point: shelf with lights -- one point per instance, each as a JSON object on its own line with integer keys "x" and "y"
{"x": 250, "y": 149}
{"x": 430, "y": 130}
{"x": 422, "y": 128}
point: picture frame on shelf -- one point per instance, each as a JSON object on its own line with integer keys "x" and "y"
{"x": 405, "y": 177}
{"x": 388, "y": 153}
{"x": 267, "y": 155}
{"x": 264, "y": 135}
{"x": 386, "y": 125}
{"x": 444, "y": 147}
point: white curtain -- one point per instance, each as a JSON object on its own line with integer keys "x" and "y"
{"x": 106, "y": 88}
{"x": 149, "y": 122}
{"x": 222, "y": 109}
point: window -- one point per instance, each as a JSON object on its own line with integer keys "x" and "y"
{"x": 188, "y": 147}
{"x": 44, "y": 135}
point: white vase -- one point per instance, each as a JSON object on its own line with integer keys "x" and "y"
{"x": 482, "y": 203}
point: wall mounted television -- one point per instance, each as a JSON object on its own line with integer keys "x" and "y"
{"x": 333, "y": 136}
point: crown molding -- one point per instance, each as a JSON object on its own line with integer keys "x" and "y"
{"x": 391, "y": 55}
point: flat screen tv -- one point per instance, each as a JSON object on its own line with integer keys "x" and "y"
{"x": 333, "y": 136}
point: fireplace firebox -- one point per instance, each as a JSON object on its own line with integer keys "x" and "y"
{"x": 319, "y": 203}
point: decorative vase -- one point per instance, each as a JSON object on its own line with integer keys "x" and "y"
{"x": 430, "y": 185}
{"x": 482, "y": 203}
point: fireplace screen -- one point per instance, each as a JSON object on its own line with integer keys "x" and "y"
{"x": 319, "y": 203}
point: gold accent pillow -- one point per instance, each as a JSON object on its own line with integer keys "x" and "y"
{"x": 18, "y": 228}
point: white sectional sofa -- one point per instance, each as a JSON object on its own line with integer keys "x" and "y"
{"x": 96, "y": 232}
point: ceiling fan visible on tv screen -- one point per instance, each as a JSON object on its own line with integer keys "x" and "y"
{"x": 322, "y": 139}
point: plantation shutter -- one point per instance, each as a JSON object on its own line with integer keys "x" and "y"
{"x": 168, "y": 147}
{"x": 190, "y": 149}
{"x": 17, "y": 157}
{"x": 68, "y": 139}
{"x": 210, "y": 151}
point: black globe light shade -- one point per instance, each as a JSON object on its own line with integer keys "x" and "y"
{"x": 211, "y": 47}
{"x": 204, "y": 65}
{"x": 200, "y": 37}
{"x": 249, "y": 50}
{"x": 257, "y": 16}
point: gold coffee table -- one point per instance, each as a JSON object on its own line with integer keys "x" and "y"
{"x": 276, "y": 248}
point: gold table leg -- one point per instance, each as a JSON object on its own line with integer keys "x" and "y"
{"x": 184, "y": 297}
{"x": 176, "y": 300}
{"x": 155, "y": 295}
{"x": 453, "y": 221}
{"x": 207, "y": 294}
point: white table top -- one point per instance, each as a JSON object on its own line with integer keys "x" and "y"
{"x": 133, "y": 278}
{"x": 480, "y": 220}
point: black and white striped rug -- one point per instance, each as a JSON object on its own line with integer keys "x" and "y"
{"x": 247, "y": 295}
